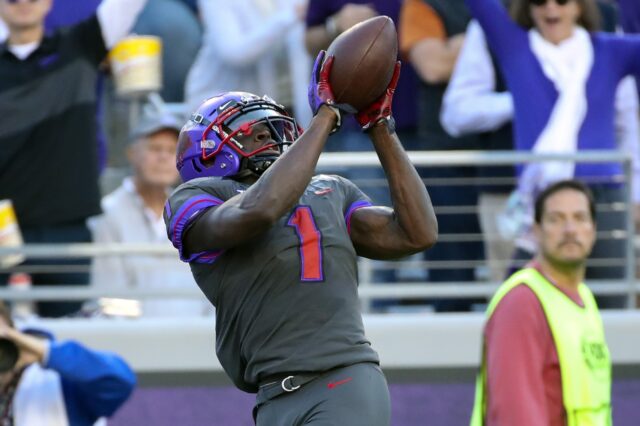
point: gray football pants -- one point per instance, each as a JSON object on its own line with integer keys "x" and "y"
{"x": 357, "y": 395}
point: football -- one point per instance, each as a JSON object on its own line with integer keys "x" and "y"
{"x": 365, "y": 57}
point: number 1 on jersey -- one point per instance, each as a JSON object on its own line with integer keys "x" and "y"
{"x": 310, "y": 243}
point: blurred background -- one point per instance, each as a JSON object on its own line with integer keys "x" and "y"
{"x": 424, "y": 314}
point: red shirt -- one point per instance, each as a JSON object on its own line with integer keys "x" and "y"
{"x": 524, "y": 386}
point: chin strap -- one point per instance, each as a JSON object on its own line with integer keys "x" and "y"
{"x": 256, "y": 165}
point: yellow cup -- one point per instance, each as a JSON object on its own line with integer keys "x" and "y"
{"x": 136, "y": 63}
{"x": 10, "y": 235}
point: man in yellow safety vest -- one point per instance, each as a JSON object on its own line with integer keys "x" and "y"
{"x": 545, "y": 360}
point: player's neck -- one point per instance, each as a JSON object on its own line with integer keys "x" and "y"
{"x": 567, "y": 277}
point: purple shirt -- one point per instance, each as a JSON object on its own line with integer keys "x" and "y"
{"x": 405, "y": 99}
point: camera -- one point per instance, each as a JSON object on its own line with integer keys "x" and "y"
{"x": 8, "y": 355}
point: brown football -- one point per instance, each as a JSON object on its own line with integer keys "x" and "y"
{"x": 365, "y": 57}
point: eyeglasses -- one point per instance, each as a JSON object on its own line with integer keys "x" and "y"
{"x": 539, "y": 2}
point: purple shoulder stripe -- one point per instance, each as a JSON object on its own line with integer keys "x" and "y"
{"x": 203, "y": 257}
{"x": 355, "y": 206}
{"x": 189, "y": 210}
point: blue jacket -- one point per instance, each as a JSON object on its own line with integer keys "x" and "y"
{"x": 94, "y": 383}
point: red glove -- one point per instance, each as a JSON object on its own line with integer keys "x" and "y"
{"x": 320, "y": 92}
{"x": 379, "y": 112}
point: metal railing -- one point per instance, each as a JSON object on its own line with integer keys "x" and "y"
{"x": 628, "y": 286}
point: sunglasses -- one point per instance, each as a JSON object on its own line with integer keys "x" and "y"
{"x": 20, "y": 1}
{"x": 539, "y": 2}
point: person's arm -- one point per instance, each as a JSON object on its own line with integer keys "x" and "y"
{"x": 319, "y": 36}
{"x": 496, "y": 23}
{"x": 434, "y": 59}
{"x": 102, "y": 380}
{"x": 117, "y": 18}
{"x": 411, "y": 226}
{"x": 516, "y": 342}
{"x": 471, "y": 103}
{"x": 424, "y": 41}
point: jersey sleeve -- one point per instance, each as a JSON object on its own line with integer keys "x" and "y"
{"x": 182, "y": 210}
{"x": 354, "y": 199}
{"x": 101, "y": 381}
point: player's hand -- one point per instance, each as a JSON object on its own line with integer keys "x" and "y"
{"x": 379, "y": 112}
{"x": 320, "y": 92}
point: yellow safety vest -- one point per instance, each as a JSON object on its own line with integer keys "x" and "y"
{"x": 585, "y": 365}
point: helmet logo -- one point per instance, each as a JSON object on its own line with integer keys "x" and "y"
{"x": 225, "y": 105}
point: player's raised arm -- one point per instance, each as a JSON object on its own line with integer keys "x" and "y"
{"x": 411, "y": 226}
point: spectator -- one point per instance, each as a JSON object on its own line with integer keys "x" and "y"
{"x": 59, "y": 383}
{"x": 133, "y": 214}
{"x": 477, "y": 101}
{"x": 545, "y": 360}
{"x": 178, "y": 27}
{"x": 575, "y": 74}
{"x": 255, "y": 47}
{"x": 48, "y": 164}
{"x": 431, "y": 35}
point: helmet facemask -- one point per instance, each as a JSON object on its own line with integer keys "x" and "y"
{"x": 211, "y": 143}
{"x": 241, "y": 120}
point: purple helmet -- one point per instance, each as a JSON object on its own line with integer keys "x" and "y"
{"x": 207, "y": 145}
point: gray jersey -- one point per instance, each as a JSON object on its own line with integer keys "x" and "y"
{"x": 287, "y": 300}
